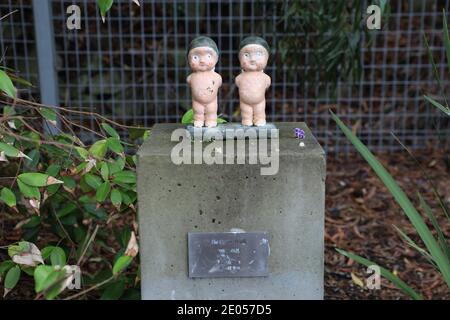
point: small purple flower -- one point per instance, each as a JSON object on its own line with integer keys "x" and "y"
{"x": 299, "y": 133}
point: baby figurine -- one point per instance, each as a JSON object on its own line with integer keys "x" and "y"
{"x": 253, "y": 82}
{"x": 203, "y": 81}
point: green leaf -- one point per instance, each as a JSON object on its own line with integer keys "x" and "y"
{"x": 49, "y": 114}
{"x": 5, "y": 266}
{"x": 46, "y": 252}
{"x": 28, "y": 191}
{"x": 53, "y": 170}
{"x": 419, "y": 249}
{"x": 35, "y": 179}
{"x": 385, "y": 273}
{"x": 104, "y": 170}
{"x": 425, "y": 234}
{"x": 66, "y": 209}
{"x": 440, "y": 234}
{"x": 437, "y": 105}
{"x": 109, "y": 130}
{"x": 125, "y": 177}
{"x": 83, "y": 153}
{"x": 40, "y": 275}
{"x": 32, "y": 160}
{"x": 49, "y": 280}
{"x": 58, "y": 257}
{"x": 8, "y": 197}
{"x": 10, "y": 151}
{"x": 103, "y": 191}
{"x": 116, "y": 166}
{"x": 188, "y": 117}
{"x": 93, "y": 181}
{"x": 220, "y": 120}
{"x": 114, "y": 290}
{"x": 69, "y": 182}
{"x": 12, "y": 277}
{"x": 104, "y": 6}
{"x": 98, "y": 149}
{"x": 116, "y": 197}
{"x": 115, "y": 145}
{"x": 6, "y": 85}
{"x": 121, "y": 264}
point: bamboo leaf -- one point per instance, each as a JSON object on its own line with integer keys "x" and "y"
{"x": 188, "y": 117}
{"x": 8, "y": 197}
{"x": 104, "y": 6}
{"x": 110, "y": 130}
{"x": 35, "y": 179}
{"x": 11, "y": 279}
{"x": 6, "y": 85}
{"x": 121, "y": 264}
{"x": 103, "y": 191}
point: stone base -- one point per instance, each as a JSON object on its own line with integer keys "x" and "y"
{"x": 232, "y": 131}
{"x": 175, "y": 200}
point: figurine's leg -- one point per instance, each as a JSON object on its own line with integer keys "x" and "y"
{"x": 211, "y": 115}
{"x": 199, "y": 114}
{"x": 246, "y": 114}
{"x": 259, "y": 114}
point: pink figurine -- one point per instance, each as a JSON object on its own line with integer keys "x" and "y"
{"x": 203, "y": 81}
{"x": 253, "y": 82}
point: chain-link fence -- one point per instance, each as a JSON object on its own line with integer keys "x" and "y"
{"x": 132, "y": 68}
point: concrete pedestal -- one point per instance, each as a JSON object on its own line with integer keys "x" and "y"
{"x": 177, "y": 199}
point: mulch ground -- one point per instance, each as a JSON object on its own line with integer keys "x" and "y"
{"x": 360, "y": 214}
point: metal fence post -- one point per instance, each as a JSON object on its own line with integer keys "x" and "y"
{"x": 45, "y": 45}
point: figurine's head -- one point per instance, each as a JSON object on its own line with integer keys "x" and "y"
{"x": 253, "y": 54}
{"x": 203, "y": 54}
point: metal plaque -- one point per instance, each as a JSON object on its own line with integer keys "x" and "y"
{"x": 228, "y": 254}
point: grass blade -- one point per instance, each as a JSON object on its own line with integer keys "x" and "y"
{"x": 441, "y": 238}
{"x": 399, "y": 283}
{"x": 435, "y": 70}
{"x": 425, "y": 234}
{"x": 437, "y": 105}
{"x": 446, "y": 38}
{"x": 419, "y": 249}
{"x": 427, "y": 177}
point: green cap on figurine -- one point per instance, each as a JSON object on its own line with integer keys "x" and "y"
{"x": 203, "y": 41}
{"x": 254, "y": 40}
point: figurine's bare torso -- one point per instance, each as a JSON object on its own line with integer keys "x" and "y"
{"x": 204, "y": 83}
{"x": 252, "y": 86}
{"x": 204, "y": 86}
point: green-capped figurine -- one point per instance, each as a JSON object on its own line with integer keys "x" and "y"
{"x": 204, "y": 82}
{"x": 253, "y": 82}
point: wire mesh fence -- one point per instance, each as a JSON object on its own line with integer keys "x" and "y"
{"x": 133, "y": 67}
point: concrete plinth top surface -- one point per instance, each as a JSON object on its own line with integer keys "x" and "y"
{"x": 157, "y": 144}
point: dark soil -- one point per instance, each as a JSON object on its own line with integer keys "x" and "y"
{"x": 360, "y": 214}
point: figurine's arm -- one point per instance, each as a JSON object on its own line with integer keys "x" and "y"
{"x": 268, "y": 81}
{"x": 188, "y": 79}
{"x": 237, "y": 80}
{"x": 219, "y": 80}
